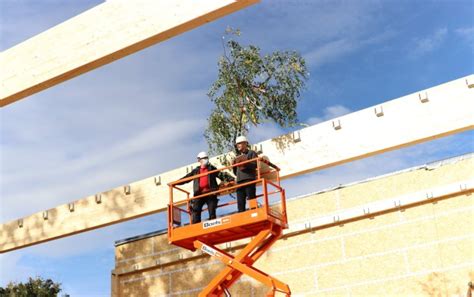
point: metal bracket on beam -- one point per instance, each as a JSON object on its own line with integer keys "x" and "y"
{"x": 127, "y": 190}
{"x": 98, "y": 198}
{"x": 336, "y": 124}
{"x": 336, "y": 219}
{"x": 296, "y": 136}
{"x": 367, "y": 212}
{"x": 423, "y": 99}
{"x": 379, "y": 111}
{"x": 464, "y": 187}
{"x": 71, "y": 206}
{"x": 307, "y": 226}
{"x": 469, "y": 84}
{"x": 398, "y": 204}
{"x": 258, "y": 148}
{"x": 45, "y": 215}
{"x": 157, "y": 180}
{"x": 20, "y": 223}
{"x": 430, "y": 196}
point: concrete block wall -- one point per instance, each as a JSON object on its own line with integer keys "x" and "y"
{"x": 426, "y": 250}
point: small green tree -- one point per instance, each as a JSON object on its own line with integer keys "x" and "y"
{"x": 35, "y": 287}
{"x": 252, "y": 88}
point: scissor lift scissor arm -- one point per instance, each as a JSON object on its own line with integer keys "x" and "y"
{"x": 242, "y": 264}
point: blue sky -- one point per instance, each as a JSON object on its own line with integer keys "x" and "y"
{"x": 145, "y": 114}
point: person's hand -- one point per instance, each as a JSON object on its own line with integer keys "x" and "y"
{"x": 226, "y": 184}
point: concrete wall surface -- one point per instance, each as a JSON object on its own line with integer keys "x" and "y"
{"x": 426, "y": 250}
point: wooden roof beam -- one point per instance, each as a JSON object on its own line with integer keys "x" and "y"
{"x": 103, "y": 34}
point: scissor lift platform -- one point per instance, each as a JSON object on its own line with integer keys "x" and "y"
{"x": 262, "y": 222}
{"x": 226, "y": 229}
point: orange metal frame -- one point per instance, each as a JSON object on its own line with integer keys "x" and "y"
{"x": 262, "y": 221}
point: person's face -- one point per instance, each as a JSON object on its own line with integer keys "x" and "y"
{"x": 242, "y": 146}
{"x": 203, "y": 161}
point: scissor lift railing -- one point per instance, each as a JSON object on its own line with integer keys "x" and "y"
{"x": 263, "y": 221}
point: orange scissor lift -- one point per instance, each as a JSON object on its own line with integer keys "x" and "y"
{"x": 262, "y": 221}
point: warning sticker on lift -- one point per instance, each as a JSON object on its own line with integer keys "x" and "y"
{"x": 215, "y": 223}
{"x": 208, "y": 250}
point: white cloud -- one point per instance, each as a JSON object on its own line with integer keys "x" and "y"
{"x": 430, "y": 43}
{"x": 264, "y": 132}
{"x": 334, "y": 50}
{"x": 323, "y": 20}
{"x": 99, "y": 169}
{"x": 467, "y": 34}
{"x": 161, "y": 136}
{"x": 330, "y": 52}
{"x": 329, "y": 113}
{"x": 11, "y": 269}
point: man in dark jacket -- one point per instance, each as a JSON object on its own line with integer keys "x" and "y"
{"x": 204, "y": 184}
{"x": 245, "y": 173}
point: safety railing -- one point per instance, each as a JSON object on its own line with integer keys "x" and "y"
{"x": 267, "y": 183}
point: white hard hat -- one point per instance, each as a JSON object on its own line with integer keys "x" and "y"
{"x": 241, "y": 139}
{"x": 202, "y": 155}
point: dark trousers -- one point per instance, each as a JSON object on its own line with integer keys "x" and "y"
{"x": 244, "y": 193}
{"x": 196, "y": 208}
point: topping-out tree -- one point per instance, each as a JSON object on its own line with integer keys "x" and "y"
{"x": 252, "y": 88}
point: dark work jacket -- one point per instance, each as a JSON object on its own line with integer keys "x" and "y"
{"x": 212, "y": 178}
{"x": 250, "y": 171}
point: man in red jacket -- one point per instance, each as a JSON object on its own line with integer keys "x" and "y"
{"x": 205, "y": 184}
